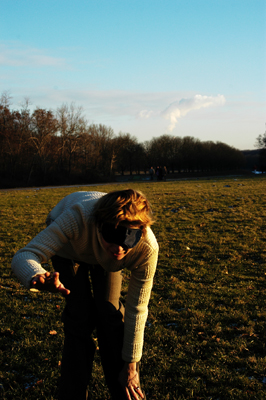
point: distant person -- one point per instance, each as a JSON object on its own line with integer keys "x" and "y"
{"x": 151, "y": 172}
{"x": 164, "y": 173}
{"x": 96, "y": 234}
{"x": 159, "y": 173}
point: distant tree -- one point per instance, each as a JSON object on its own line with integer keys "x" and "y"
{"x": 261, "y": 145}
{"x": 207, "y": 156}
{"x": 86, "y": 150}
{"x": 163, "y": 151}
{"x": 128, "y": 153}
{"x": 71, "y": 127}
{"x": 14, "y": 136}
{"x": 43, "y": 126}
{"x": 8, "y": 145}
{"x": 5, "y": 99}
{"x": 189, "y": 150}
{"x": 140, "y": 160}
{"x": 261, "y": 141}
{"x": 176, "y": 158}
{"x": 219, "y": 156}
{"x": 101, "y": 148}
{"x": 120, "y": 144}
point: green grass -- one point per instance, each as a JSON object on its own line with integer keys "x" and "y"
{"x": 206, "y": 330}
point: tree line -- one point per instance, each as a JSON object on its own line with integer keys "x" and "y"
{"x": 44, "y": 147}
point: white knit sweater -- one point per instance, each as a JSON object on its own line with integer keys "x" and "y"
{"x": 72, "y": 234}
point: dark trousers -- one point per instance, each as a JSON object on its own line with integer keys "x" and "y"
{"x": 92, "y": 303}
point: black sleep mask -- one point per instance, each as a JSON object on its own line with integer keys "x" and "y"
{"x": 121, "y": 235}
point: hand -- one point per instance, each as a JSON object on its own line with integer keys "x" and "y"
{"x": 129, "y": 379}
{"x": 49, "y": 282}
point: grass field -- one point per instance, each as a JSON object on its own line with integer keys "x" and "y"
{"x": 206, "y": 330}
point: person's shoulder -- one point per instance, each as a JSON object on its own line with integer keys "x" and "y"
{"x": 150, "y": 241}
{"x": 82, "y": 196}
{"x": 145, "y": 254}
{"x": 82, "y": 200}
{"x": 85, "y": 202}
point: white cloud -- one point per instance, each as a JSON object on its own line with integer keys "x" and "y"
{"x": 14, "y": 54}
{"x": 179, "y": 109}
{"x": 145, "y": 114}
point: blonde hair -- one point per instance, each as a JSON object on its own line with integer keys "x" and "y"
{"x": 124, "y": 205}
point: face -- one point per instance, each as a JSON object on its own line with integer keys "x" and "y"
{"x": 116, "y": 251}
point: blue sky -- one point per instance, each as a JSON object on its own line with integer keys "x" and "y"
{"x": 179, "y": 67}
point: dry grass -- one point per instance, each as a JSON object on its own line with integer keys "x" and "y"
{"x": 205, "y": 335}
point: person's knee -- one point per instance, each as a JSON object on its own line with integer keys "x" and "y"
{"x": 108, "y": 314}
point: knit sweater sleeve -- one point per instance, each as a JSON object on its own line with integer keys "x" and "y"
{"x": 27, "y": 262}
{"x": 136, "y": 312}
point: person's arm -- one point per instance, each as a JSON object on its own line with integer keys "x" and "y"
{"x": 27, "y": 262}
{"x": 136, "y": 312}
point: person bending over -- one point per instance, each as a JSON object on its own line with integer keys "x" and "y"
{"x": 90, "y": 237}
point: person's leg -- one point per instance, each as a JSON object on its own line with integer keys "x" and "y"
{"x": 79, "y": 322}
{"x": 110, "y": 326}
{"x": 76, "y": 367}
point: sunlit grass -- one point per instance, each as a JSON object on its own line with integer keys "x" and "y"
{"x": 205, "y": 335}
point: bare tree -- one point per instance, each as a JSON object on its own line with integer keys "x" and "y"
{"x": 14, "y": 136}
{"x": 102, "y": 148}
{"x": 164, "y": 151}
{"x": 5, "y": 99}
{"x": 43, "y": 126}
{"x": 130, "y": 155}
{"x": 71, "y": 126}
{"x": 261, "y": 144}
{"x": 261, "y": 141}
